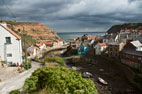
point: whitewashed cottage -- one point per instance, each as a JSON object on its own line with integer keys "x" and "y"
{"x": 99, "y": 48}
{"x": 32, "y": 51}
{"x": 10, "y": 46}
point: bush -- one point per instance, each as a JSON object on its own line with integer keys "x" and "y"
{"x": 59, "y": 80}
{"x": 28, "y": 65}
{"x": 15, "y": 92}
{"x": 55, "y": 59}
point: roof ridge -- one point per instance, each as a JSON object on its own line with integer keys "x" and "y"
{"x": 12, "y": 32}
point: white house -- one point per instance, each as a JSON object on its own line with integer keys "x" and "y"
{"x": 32, "y": 51}
{"x": 99, "y": 48}
{"x": 41, "y": 46}
{"x": 10, "y": 46}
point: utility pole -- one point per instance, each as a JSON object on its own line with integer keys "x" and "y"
{"x": 25, "y": 46}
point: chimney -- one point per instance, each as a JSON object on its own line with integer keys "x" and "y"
{"x": 3, "y": 23}
{"x": 127, "y": 36}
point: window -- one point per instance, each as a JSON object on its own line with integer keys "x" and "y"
{"x": 8, "y": 40}
{"x": 9, "y": 55}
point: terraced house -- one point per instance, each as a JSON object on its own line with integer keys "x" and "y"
{"x": 10, "y": 46}
{"x": 132, "y": 54}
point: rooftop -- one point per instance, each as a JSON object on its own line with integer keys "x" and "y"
{"x": 12, "y": 32}
{"x": 136, "y": 43}
{"x": 114, "y": 43}
{"x": 102, "y": 44}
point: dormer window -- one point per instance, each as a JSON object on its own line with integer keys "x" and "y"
{"x": 8, "y": 40}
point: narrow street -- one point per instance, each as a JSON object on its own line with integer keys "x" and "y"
{"x": 18, "y": 81}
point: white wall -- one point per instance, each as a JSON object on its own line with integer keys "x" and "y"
{"x": 15, "y": 48}
{"x": 99, "y": 49}
{"x": 42, "y": 47}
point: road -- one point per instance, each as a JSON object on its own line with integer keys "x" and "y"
{"x": 18, "y": 81}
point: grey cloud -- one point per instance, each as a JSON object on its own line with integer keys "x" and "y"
{"x": 74, "y": 15}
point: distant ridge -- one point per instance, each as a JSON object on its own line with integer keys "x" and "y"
{"x": 117, "y": 28}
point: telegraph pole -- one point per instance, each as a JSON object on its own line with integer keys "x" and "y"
{"x": 25, "y": 45}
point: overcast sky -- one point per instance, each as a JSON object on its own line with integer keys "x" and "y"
{"x": 73, "y": 15}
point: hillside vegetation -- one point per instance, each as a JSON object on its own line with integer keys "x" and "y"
{"x": 58, "y": 80}
{"x": 37, "y": 31}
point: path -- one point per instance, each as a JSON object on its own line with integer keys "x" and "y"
{"x": 18, "y": 81}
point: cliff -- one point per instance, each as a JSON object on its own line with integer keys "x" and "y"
{"x": 37, "y": 31}
{"x": 117, "y": 28}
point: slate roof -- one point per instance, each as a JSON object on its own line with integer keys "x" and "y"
{"x": 110, "y": 36}
{"x": 124, "y": 35}
{"x": 114, "y": 43}
{"x": 136, "y": 43}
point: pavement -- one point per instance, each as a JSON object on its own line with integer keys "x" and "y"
{"x": 18, "y": 81}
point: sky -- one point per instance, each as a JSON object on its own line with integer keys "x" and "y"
{"x": 73, "y": 15}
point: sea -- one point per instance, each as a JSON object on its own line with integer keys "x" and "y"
{"x": 71, "y": 35}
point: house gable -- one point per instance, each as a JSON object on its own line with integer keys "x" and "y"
{"x": 12, "y": 32}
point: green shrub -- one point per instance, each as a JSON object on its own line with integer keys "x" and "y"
{"x": 55, "y": 59}
{"x": 15, "y": 92}
{"x": 58, "y": 80}
{"x": 28, "y": 65}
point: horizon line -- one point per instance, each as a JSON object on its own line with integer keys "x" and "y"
{"x": 83, "y": 32}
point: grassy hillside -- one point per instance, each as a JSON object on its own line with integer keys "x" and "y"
{"x": 19, "y": 23}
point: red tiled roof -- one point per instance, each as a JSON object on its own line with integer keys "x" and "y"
{"x": 39, "y": 44}
{"x": 34, "y": 47}
{"x": 127, "y": 30}
{"x": 102, "y": 44}
{"x": 48, "y": 43}
{"x": 139, "y": 31}
{"x": 91, "y": 37}
{"x": 12, "y": 32}
{"x": 122, "y": 30}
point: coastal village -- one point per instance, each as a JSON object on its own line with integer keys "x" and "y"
{"x": 124, "y": 46}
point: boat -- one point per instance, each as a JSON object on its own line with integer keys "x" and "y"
{"x": 87, "y": 74}
{"x": 102, "y": 81}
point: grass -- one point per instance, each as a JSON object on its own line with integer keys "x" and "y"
{"x": 55, "y": 59}
{"x": 15, "y": 92}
